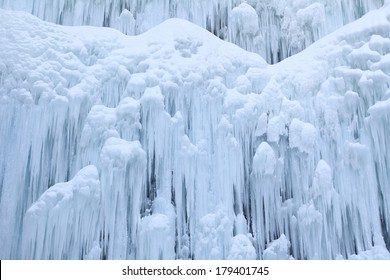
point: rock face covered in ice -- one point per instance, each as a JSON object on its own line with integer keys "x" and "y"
{"x": 175, "y": 144}
{"x": 275, "y": 29}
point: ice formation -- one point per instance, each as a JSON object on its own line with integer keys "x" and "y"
{"x": 175, "y": 144}
{"x": 275, "y": 29}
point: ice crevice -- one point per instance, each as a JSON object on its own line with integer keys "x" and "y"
{"x": 175, "y": 144}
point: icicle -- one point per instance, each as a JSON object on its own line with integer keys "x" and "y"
{"x": 64, "y": 222}
{"x": 123, "y": 181}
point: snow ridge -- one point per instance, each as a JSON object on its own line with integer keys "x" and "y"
{"x": 275, "y": 29}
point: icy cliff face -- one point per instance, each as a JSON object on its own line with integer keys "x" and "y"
{"x": 175, "y": 144}
{"x": 275, "y": 29}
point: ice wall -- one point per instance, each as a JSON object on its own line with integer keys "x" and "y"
{"x": 185, "y": 146}
{"x": 275, "y": 29}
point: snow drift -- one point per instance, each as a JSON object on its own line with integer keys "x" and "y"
{"x": 275, "y": 29}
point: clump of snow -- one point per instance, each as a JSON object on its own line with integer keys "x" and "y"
{"x": 312, "y": 15}
{"x": 302, "y": 136}
{"x": 117, "y": 152}
{"x": 323, "y": 176}
{"x": 264, "y": 160}
{"x": 278, "y": 249}
{"x": 242, "y": 249}
{"x": 376, "y": 253}
{"x": 245, "y": 20}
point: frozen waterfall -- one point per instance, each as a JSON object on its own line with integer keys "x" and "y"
{"x": 275, "y": 29}
{"x": 176, "y": 144}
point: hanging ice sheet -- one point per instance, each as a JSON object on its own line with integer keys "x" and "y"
{"x": 186, "y": 146}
